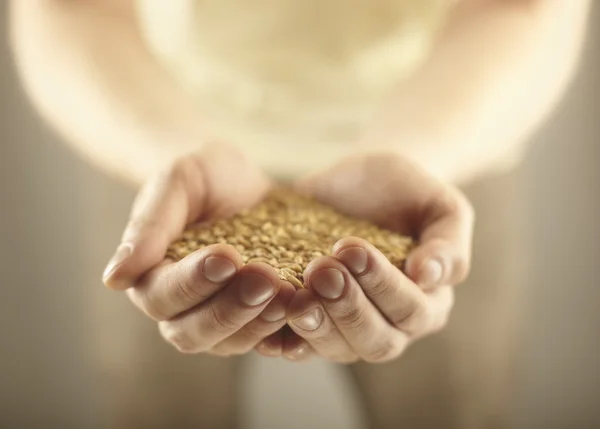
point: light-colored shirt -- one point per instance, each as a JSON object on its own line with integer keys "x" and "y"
{"x": 293, "y": 83}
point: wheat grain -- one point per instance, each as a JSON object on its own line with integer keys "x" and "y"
{"x": 287, "y": 231}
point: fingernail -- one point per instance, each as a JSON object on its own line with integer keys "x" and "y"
{"x": 329, "y": 283}
{"x": 355, "y": 258}
{"x": 122, "y": 253}
{"x": 300, "y": 353}
{"x": 431, "y": 273}
{"x": 218, "y": 270}
{"x": 255, "y": 289}
{"x": 310, "y": 321}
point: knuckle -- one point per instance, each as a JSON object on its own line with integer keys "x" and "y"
{"x": 145, "y": 301}
{"x": 253, "y": 332}
{"x": 384, "y": 351}
{"x": 352, "y": 317}
{"x": 412, "y": 316}
{"x": 221, "y": 321}
{"x": 380, "y": 285}
{"x": 182, "y": 290}
{"x": 179, "y": 338}
{"x": 243, "y": 342}
{"x": 322, "y": 337}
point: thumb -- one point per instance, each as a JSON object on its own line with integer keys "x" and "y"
{"x": 165, "y": 204}
{"x": 216, "y": 181}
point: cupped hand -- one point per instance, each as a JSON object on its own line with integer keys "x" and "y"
{"x": 357, "y": 305}
{"x": 208, "y": 301}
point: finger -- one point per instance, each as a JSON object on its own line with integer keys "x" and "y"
{"x": 295, "y": 348}
{"x": 271, "y": 320}
{"x": 201, "y": 328}
{"x": 360, "y": 322}
{"x": 307, "y": 317}
{"x": 441, "y": 301}
{"x": 271, "y": 346}
{"x": 161, "y": 210}
{"x": 398, "y": 298}
{"x": 173, "y": 288}
{"x": 443, "y": 255}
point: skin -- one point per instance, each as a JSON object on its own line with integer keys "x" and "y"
{"x": 357, "y": 306}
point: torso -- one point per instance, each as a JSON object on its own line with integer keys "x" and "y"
{"x": 287, "y": 79}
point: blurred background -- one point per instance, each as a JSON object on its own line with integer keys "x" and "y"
{"x": 60, "y": 220}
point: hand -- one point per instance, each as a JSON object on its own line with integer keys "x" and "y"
{"x": 357, "y": 305}
{"x": 206, "y": 302}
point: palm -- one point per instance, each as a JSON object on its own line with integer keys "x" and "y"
{"x": 384, "y": 189}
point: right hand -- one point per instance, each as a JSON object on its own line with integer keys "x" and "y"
{"x": 207, "y": 302}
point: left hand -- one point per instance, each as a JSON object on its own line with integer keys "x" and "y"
{"x": 358, "y": 306}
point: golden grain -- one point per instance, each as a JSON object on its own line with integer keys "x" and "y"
{"x": 287, "y": 231}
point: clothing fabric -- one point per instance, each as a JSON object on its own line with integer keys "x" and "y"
{"x": 287, "y": 79}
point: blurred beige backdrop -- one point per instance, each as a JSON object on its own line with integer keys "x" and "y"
{"x": 51, "y": 257}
